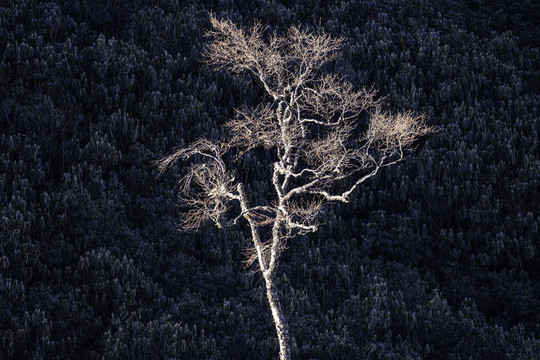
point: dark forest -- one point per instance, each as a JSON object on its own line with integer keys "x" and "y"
{"x": 436, "y": 257}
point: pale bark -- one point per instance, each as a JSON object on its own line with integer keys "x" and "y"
{"x": 282, "y": 326}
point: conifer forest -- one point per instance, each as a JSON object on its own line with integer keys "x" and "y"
{"x": 434, "y": 257}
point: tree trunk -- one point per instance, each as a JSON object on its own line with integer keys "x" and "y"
{"x": 282, "y": 327}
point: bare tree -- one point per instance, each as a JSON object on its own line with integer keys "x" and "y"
{"x": 309, "y": 123}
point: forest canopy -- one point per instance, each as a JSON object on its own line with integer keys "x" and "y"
{"x": 435, "y": 257}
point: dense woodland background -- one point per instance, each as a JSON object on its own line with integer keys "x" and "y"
{"x": 436, "y": 258}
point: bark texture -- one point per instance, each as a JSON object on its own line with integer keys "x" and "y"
{"x": 282, "y": 326}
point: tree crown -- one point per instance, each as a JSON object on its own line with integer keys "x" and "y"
{"x": 309, "y": 121}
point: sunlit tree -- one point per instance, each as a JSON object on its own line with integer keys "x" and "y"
{"x": 310, "y": 123}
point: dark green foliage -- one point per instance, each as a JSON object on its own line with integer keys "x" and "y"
{"x": 436, "y": 258}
